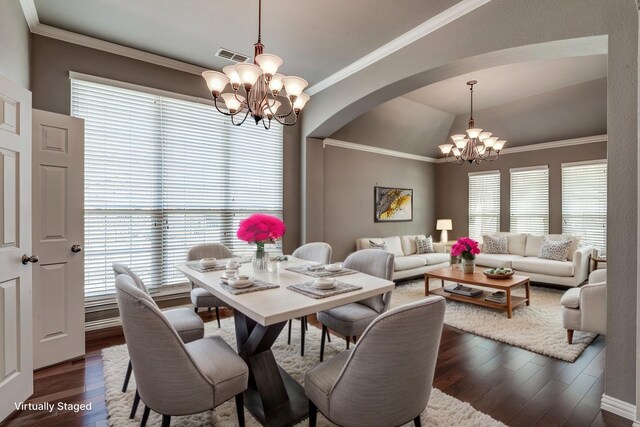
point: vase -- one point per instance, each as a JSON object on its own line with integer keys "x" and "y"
{"x": 260, "y": 258}
{"x": 468, "y": 265}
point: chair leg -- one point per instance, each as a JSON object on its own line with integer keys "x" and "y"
{"x": 328, "y": 336}
{"x": 302, "y": 329}
{"x": 313, "y": 414}
{"x": 145, "y": 416}
{"x": 355, "y": 339}
{"x": 417, "y": 422}
{"x": 240, "y": 408}
{"x": 324, "y": 334}
{"x": 134, "y": 407}
{"x": 306, "y": 324}
{"x": 127, "y": 377}
{"x": 347, "y": 339}
{"x": 289, "y": 333}
{"x": 570, "y": 336}
{"x": 166, "y": 420}
{"x": 195, "y": 309}
{"x": 218, "y": 316}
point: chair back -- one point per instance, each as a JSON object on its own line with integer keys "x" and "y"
{"x": 373, "y": 262}
{"x": 396, "y": 354}
{"x": 208, "y": 250}
{"x": 167, "y": 378}
{"x": 123, "y": 269}
{"x": 316, "y": 252}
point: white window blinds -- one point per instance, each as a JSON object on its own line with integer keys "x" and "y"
{"x": 584, "y": 202}
{"x": 484, "y": 203}
{"x": 530, "y": 200}
{"x": 162, "y": 175}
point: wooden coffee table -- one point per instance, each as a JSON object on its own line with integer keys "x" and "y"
{"x": 479, "y": 279}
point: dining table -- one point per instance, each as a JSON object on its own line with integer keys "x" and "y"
{"x": 273, "y": 397}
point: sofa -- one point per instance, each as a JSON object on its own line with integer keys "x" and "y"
{"x": 523, "y": 257}
{"x": 407, "y": 262}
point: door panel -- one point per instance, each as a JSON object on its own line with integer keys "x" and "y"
{"x": 16, "y": 339}
{"x": 58, "y": 224}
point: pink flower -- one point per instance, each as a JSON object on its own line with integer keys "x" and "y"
{"x": 261, "y": 228}
{"x": 466, "y": 248}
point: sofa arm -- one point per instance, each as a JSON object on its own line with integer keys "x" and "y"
{"x": 440, "y": 248}
{"x": 593, "y": 308}
{"x": 598, "y": 276}
{"x": 581, "y": 263}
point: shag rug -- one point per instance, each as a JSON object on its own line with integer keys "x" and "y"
{"x": 537, "y": 327}
{"x": 442, "y": 410}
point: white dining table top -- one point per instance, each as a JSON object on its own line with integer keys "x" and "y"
{"x": 277, "y": 305}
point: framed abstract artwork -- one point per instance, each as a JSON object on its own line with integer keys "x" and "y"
{"x": 392, "y": 204}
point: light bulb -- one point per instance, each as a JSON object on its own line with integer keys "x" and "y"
{"x": 301, "y": 101}
{"x": 248, "y": 73}
{"x": 490, "y": 142}
{"x": 473, "y": 133}
{"x": 445, "y": 148}
{"x": 233, "y": 104}
{"x": 458, "y": 136}
{"x": 232, "y": 73}
{"x": 294, "y": 85}
{"x": 276, "y": 83}
{"x": 461, "y": 143}
{"x": 499, "y": 144}
{"x": 269, "y": 63}
{"x": 484, "y": 135}
{"x": 216, "y": 81}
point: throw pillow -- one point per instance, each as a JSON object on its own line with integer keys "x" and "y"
{"x": 376, "y": 245}
{"x": 424, "y": 245}
{"x": 495, "y": 244}
{"x": 557, "y": 250}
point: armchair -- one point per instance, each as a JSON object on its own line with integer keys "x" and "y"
{"x": 585, "y": 308}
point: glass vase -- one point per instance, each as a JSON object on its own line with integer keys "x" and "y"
{"x": 260, "y": 258}
{"x": 468, "y": 266}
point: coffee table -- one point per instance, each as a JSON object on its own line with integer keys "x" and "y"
{"x": 477, "y": 278}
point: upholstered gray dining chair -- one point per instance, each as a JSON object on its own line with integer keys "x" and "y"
{"x": 201, "y": 298}
{"x": 352, "y": 319}
{"x": 187, "y": 324}
{"x": 367, "y": 386}
{"x": 174, "y": 378}
{"x": 319, "y": 252}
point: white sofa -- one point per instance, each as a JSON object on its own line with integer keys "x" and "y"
{"x": 523, "y": 257}
{"x": 407, "y": 262}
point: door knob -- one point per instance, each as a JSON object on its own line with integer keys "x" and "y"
{"x": 26, "y": 259}
{"x": 76, "y": 248}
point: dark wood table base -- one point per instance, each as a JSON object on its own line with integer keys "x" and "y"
{"x": 274, "y": 398}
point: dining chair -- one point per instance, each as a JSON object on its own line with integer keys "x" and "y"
{"x": 187, "y": 324}
{"x": 319, "y": 252}
{"x": 368, "y": 386}
{"x": 201, "y": 298}
{"x": 352, "y": 319}
{"x": 174, "y": 378}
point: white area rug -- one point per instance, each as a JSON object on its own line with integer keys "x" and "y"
{"x": 442, "y": 410}
{"x": 537, "y": 327}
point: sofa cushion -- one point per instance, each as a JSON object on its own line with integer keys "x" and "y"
{"x": 517, "y": 242}
{"x": 544, "y": 266}
{"x": 575, "y": 242}
{"x": 408, "y": 243}
{"x": 495, "y": 244}
{"x": 393, "y": 245}
{"x": 571, "y": 298}
{"x": 432, "y": 259}
{"x": 496, "y": 260}
{"x": 555, "y": 249}
{"x": 424, "y": 245}
{"x": 407, "y": 262}
{"x": 534, "y": 243}
{"x": 373, "y": 244}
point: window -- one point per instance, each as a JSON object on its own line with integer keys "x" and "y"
{"x": 530, "y": 200}
{"x": 163, "y": 174}
{"x": 584, "y": 202}
{"x": 484, "y": 203}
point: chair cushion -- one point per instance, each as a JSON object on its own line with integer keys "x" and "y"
{"x": 201, "y": 298}
{"x": 348, "y": 320}
{"x": 408, "y": 243}
{"x": 495, "y": 244}
{"x": 408, "y": 262}
{"x": 496, "y": 260}
{"x": 544, "y": 266}
{"x": 221, "y": 365}
{"x": 319, "y": 380}
{"x": 186, "y": 323}
{"x": 571, "y": 298}
{"x": 432, "y": 259}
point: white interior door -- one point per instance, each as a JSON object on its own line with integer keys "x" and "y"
{"x": 16, "y": 343}
{"x": 58, "y": 228}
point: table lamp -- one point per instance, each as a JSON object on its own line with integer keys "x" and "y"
{"x": 444, "y": 225}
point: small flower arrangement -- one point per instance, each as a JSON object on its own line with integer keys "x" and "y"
{"x": 465, "y": 248}
{"x": 261, "y": 229}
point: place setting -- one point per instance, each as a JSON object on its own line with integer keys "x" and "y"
{"x": 322, "y": 270}
{"x": 323, "y": 287}
{"x": 236, "y": 284}
{"x": 206, "y": 265}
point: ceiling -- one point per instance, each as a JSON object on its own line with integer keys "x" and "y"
{"x": 314, "y": 38}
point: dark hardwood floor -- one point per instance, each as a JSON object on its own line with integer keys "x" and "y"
{"x": 515, "y": 386}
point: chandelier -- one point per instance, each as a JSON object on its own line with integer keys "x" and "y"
{"x": 474, "y": 147}
{"x": 256, "y": 89}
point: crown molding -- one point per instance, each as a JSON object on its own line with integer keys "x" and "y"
{"x": 376, "y": 150}
{"x": 618, "y": 407}
{"x": 429, "y": 26}
{"x": 30, "y": 13}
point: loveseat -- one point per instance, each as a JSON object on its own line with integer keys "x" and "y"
{"x": 522, "y": 256}
{"x": 407, "y": 262}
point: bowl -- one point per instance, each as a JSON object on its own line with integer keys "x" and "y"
{"x": 498, "y": 275}
{"x": 208, "y": 262}
{"x": 229, "y": 274}
{"x": 240, "y": 282}
{"x": 232, "y": 264}
{"x": 324, "y": 283}
{"x": 333, "y": 267}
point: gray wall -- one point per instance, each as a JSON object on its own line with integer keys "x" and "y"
{"x": 53, "y": 59}
{"x": 14, "y": 43}
{"x": 452, "y": 183}
{"x": 349, "y": 178}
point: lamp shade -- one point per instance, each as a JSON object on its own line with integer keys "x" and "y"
{"x": 444, "y": 224}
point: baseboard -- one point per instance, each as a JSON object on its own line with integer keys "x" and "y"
{"x": 619, "y": 407}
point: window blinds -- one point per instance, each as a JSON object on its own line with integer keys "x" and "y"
{"x": 484, "y": 203}
{"x": 584, "y": 202}
{"x": 530, "y": 200}
{"x": 162, "y": 175}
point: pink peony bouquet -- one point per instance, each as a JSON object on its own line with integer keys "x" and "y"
{"x": 261, "y": 229}
{"x": 465, "y": 248}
